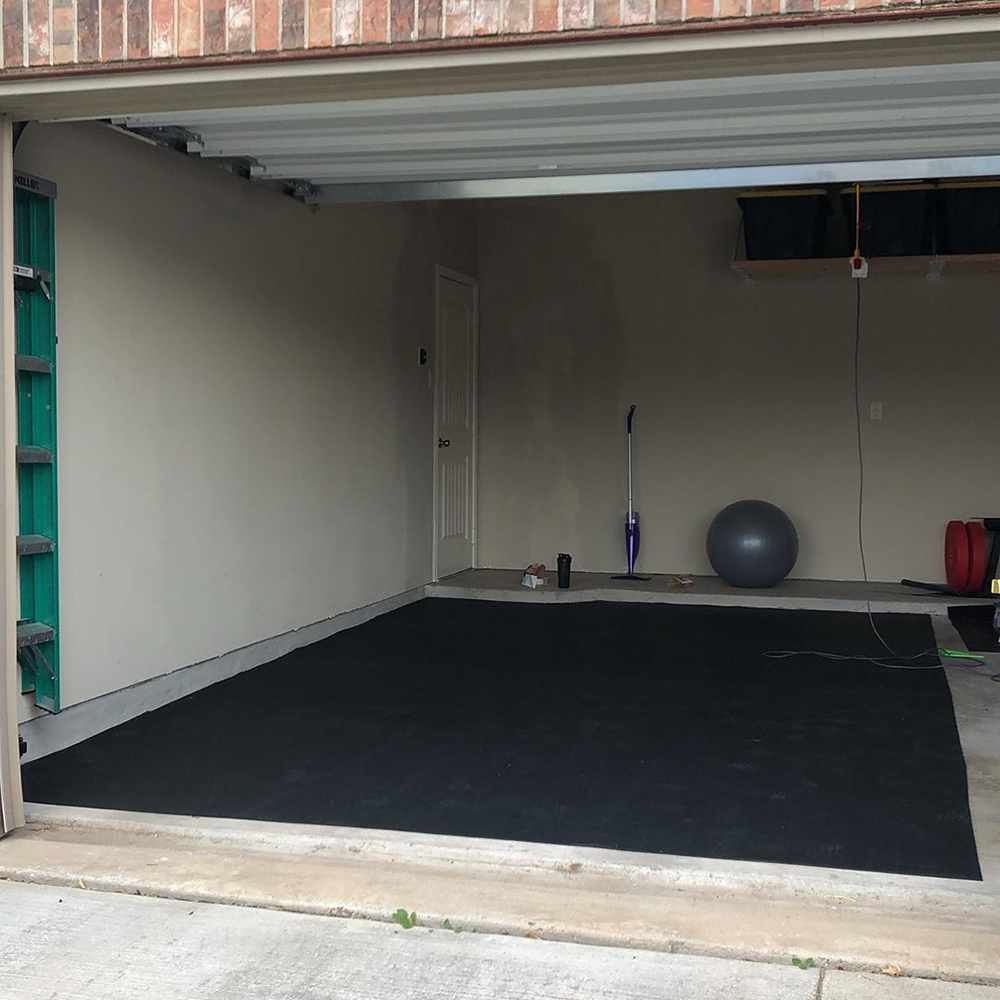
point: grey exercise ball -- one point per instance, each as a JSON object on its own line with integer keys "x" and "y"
{"x": 752, "y": 543}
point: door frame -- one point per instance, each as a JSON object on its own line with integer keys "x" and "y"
{"x": 441, "y": 272}
{"x": 11, "y": 798}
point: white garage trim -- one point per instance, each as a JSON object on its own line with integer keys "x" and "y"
{"x": 11, "y": 805}
{"x": 351, "y": 76}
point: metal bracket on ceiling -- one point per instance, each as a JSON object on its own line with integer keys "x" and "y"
{"x": 304, "y": 190}
{"x": 172, "y": 136}
{"x": 190, "y": 144}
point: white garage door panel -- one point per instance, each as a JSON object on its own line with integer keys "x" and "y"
{"x": 855, "y": 124}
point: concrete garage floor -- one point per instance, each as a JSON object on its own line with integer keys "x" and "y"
{"x": 656, "y": 925}
{"x": 71, "y": 943}
{"x": 823, "y": 595}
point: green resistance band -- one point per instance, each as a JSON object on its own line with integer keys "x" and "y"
{"x": 959, "y": 654}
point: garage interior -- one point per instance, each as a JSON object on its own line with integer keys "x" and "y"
{"x": 248, "y": 446}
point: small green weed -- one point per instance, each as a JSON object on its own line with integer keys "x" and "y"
{"x": 404, "y": 919}
{"x": 804, "y": 963}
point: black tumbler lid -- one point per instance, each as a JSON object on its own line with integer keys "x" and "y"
{"x": 565, "y": 555}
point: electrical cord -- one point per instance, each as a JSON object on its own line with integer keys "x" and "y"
{"x": 861, "y": 471}
{"x": 879, "y": 661}
{"x": 902, "y": 662}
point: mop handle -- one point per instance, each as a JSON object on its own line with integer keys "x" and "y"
{"x": 628, "y": 426}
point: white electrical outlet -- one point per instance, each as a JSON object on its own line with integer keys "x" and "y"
{"x": 875, "y": 411}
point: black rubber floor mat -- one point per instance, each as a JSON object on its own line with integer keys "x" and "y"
{"x": 639, "y": 727}
{"x": 975, "y": 625}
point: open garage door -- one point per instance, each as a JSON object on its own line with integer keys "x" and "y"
{"x": 710, "y": 130}
{"x": 785, "y": 128}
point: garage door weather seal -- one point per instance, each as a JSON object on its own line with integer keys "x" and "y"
{"x": 662, "y": 180}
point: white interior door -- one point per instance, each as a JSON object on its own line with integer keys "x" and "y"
{"x": 455, "y": 424}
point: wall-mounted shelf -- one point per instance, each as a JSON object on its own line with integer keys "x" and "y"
{"x": 30, "y": 363}
{"x": 29, "y": 454}
{"x": 837, "y": 267}
{"x": 34, "y": 634}
{"x": 33, "y": 545}
{"x": 33, "y": 279}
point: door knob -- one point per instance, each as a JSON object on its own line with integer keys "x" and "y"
{"x": 444, "y": 443}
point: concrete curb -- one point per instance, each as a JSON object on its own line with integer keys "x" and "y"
{"x": 746, "y": 911}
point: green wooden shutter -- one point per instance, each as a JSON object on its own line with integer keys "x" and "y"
{"x": 35, "y": 287}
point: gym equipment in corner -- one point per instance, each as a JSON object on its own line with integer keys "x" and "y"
{"x": 971, "y": 557}
{"x": 752, "y": 543}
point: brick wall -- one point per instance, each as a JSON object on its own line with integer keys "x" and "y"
{"x": 67, "y": 33}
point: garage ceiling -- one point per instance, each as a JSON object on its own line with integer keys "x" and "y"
{"x": 896, "y": 123}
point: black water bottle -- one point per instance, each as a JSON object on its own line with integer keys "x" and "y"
{"x": 563, "y": 563}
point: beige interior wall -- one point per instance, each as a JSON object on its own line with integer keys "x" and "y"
{"x": 244, "y": 429}
{"x": 743, "y": 390}
{"x": 244, "y": 433}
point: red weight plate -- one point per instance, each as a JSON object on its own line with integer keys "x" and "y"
{"x": 977, "y": 556}
{"x": 956, "y": 555}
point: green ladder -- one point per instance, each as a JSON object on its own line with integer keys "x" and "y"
{"x": 34, "y": 285}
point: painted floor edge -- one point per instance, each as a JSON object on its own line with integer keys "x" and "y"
{"x": 708, "y": 591}
{"x": 49, "y": 734}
